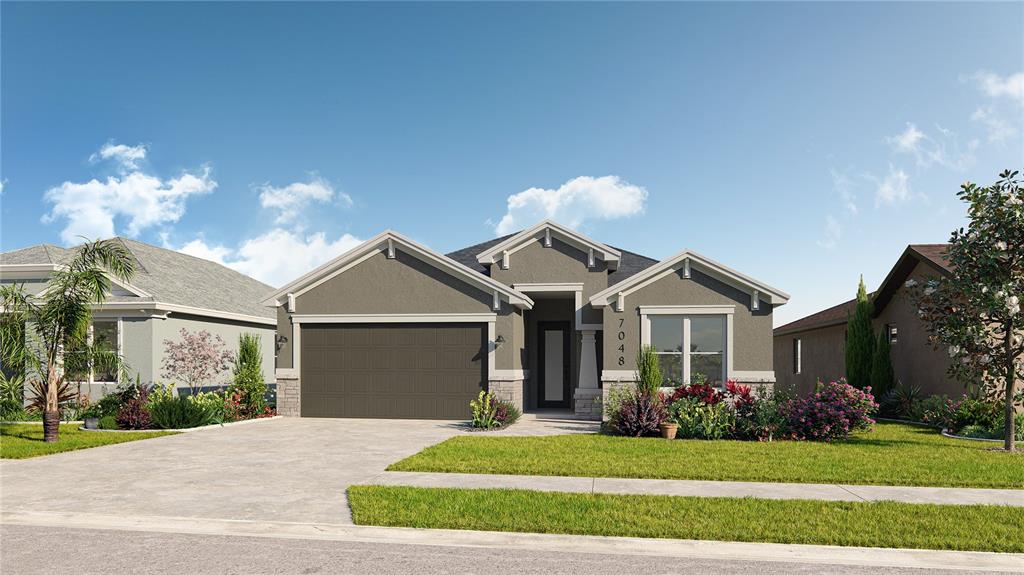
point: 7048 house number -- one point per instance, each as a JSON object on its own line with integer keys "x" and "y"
{"x": 622, "y": 346}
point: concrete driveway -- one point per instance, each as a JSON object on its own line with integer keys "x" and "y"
{"x": 286, "y": 469}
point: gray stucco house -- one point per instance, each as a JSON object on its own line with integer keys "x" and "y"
{"x": 546, "y": 318}
{"x": 169, "y": 291}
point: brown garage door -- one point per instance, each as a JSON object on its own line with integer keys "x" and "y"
{"x": 412, "y": 371}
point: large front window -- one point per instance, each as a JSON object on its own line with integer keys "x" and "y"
{"x": 689, "y": 347}
{"x": 103, "y": 335}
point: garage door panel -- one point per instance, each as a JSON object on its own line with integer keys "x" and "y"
{"x": 428, "y": 371}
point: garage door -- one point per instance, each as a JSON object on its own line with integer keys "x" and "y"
{"x": 412, "y": 371}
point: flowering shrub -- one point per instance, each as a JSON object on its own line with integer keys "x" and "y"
{"x": 955, "y": 415}
{"x": 639, "y": 414}
{"x": 490, "y": 412}
{"x": 832, "y": 412}
{"x": 761, "y": 419}
{"x": 704, "y": 392}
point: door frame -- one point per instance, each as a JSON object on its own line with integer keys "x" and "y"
{"x": 566, "y": 328}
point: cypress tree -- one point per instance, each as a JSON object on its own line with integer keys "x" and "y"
{"x": 860, "y": 341}
{"x": 881, "y": 367}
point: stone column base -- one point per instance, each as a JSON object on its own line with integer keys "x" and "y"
{"x": 289, "y": 398}
{"x": 510, "y": 390}
{"x": 588, "y": 402}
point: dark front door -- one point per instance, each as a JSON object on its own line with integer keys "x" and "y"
{"x": 553, "y": 355}
{"x": 414, "y": 371}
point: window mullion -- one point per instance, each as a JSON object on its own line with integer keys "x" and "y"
{"x": 686, "y": 350}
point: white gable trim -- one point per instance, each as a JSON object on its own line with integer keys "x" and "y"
{"x": 393, "y": 240}
{"x": 43, "y": 272}
{"x": 686, "y": 260}
{"x": 544, "y": 231}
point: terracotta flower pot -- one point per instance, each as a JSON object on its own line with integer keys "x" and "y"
{"x": 669, "y": 430}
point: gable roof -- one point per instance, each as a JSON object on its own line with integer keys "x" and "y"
{"x": 934, "y": 255}
{"x": 467, "y": 256}
{"x": 187, "y": 283}
{"x": 384, "y": 242}
{"x": 684, "y": 258}
{"x": 547, "y": 228}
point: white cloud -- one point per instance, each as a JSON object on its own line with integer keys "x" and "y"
{"x": 290, "y": 200}
{"x": 893, "y": 189}
{"x": 833, "y": 231}
{"x": 127, "y": 157}
{"x": 275, "y": 257}
{"x": 575, "y": 202}
{"x": 843, "y": 186}
{"x": 999, "y": 128}
{"x": 90, "y": 208}
{"x": 998, "y": 86}
{"x": 942, "y": 149}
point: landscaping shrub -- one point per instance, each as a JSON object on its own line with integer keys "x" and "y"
{"x": 699, "y": 420}
{"x": 980, "y": 417}
{"x": 169, "y": 412}
{"x": 648, "y": 371}
{"x": 506, "y": 414}
{"x": 109, "y": 404}
{"x": 108, "y": 422}
{"x": 248, "y": 376}
{"x": 134, "y": 412}
{"x": 832, "y": 412}
{"x": 211, "y": 400}
{"x": 900, "y": 402}
{"x": 763, "y": 420}
{"x": 640, "y": 414}
{"x": 704, "y": 392}
{"x": 492, "y": 413}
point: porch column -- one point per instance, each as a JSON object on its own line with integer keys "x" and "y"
{"x": 587, "y": 395}
{"x": 588, "y": 360}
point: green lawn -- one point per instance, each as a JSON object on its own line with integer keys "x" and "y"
{"x": 23, "y": 441}
{"x": 881, "y": 524}
{"x": 892, "y": 454}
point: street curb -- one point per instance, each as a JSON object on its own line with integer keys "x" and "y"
{"x": 813, "y": 554}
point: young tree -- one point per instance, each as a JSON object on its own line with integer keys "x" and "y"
{"x": 248, "y": 373}
{"x": 975, "y": 312}
{"x": 37, "y": 329}
{"x": 881, "y": 366}
{"x": 860, "y": 341}
{"x": 197, "y": 359}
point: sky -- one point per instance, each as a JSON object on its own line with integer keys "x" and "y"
{"x": 803, "y": 144}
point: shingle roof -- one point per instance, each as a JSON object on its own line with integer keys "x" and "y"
{"x": 171, "y": 277}
{"x": 630, "y": 263}
{"x": 935, "y": 254}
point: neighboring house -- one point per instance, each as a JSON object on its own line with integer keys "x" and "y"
{"x": 813, "y": 348}
{"x": 169, "y": 291}
{"x": 545, "y": 318}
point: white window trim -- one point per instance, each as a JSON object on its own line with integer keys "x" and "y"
{"x": 120, "y": 346}
{"x": 798, "y": 355}
{"x": 687, "y": 310}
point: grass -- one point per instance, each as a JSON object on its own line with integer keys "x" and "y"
{"x": 24, "y": 441}
{"x": 892, "y": 454}
{"x": 876, "y": 524}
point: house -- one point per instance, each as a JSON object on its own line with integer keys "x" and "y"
{"x": 168, "y": 292}
{"x": 813, "y": 348}
{"x": 545, "y": 318}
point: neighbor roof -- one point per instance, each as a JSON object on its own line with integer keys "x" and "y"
{"x": 169, "y": 277}
{"x": 935, "y": 255}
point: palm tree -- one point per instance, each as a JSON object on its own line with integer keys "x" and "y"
{"x": 36, "y": 330}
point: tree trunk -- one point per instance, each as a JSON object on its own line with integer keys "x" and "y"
{"x": 1011, "y": 377}
{"x": 51, "y": 414}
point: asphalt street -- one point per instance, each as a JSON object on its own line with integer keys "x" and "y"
{"x": 34, "y": 550}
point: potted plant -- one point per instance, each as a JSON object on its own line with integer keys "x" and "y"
{"x": 668, "y": 429}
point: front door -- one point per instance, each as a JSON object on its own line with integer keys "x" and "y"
{"x": 553, "y": 357}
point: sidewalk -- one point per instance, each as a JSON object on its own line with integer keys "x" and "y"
{"x": 827, "y": 492}
{"x": 821, "y": 555}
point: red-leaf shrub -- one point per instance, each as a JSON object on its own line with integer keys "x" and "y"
{"x": 705, "y": 392}
{"x": 832, "y": 412}
{"x": 640, "y": 414}
{"x": 134, "y": 412}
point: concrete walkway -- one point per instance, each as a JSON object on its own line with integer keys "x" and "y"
{"x": 827, "y": 492}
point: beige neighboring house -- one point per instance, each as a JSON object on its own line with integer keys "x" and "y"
{"x": 813, "y": 348}
{"x": 169, "y": 291}
{"x": 545, "y": 318}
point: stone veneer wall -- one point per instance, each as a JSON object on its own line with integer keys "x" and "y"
{"x": 289, "y": 400}
{"x": 510, "y": 390}
{"x": 588, "y": 402}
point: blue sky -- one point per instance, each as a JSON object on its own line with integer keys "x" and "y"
{"x": 802, "y": 144}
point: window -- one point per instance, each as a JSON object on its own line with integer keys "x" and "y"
{"x": 797, "y": 359}
{"x": 890, "y": 330}
{"x": 702, "y": 337}
{"x": 103, "y": 335}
